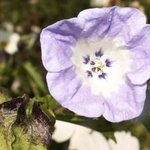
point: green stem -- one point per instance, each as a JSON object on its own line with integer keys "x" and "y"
{"x": 59, "y": 110}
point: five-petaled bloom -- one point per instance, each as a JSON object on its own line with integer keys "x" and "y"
{"x": 99, "y": 62}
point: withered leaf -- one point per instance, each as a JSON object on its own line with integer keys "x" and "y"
{"x": 34, "y": 132}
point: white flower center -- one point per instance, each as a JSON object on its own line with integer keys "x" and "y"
{"x": 101, "y": 63}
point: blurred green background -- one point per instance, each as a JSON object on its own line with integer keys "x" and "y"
{"x": 21, "y": 69}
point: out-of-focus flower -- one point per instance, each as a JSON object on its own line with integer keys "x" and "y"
{"x": 8, "y": 26}
{"x": 9, "y": 41}
{"x": 19, "y": 29}
{"x": 99, "y": 3}
{"x": 82, "y": 138}
{"x": 125, "y": 141}
{"x": 99, "y": 63}
{"x": 35, "y": 29}
{"x": 136, "y": 4}
{"x": 16, "y": 85}
{"x": 12, "y": 47}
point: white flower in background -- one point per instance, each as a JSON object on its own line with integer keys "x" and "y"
{"x": 87, "y": 139}
{"x": 9, "y": 41}
{"x": 19, "y": 29}
{"x": 35, "y": 29}
{"x": 99, "y": 3}
{"x": 63, "y": 131}
{"x": 12, "y": 47}
{"x": 82, "y": 138}
{"x": 16, "y": 85}
{"x": 125, "y": 141}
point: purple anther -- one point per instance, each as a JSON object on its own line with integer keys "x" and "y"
{"x": 108, "y": 62}
{"x": 86, "y": 59}
{"x": 99, "y": 53}
{"x": 89, "y": 74}
{"x": 103, "y": 75}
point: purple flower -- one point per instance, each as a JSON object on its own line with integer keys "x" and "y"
{"x": 99, "y": 62}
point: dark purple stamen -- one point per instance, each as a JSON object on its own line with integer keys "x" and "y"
{"x": 103, "y": 75}
{"x": 108, "y": 62}
{"x": 89, "y": 74}
{"x": 99, "y": 53}
{"x": 86, "y": 59}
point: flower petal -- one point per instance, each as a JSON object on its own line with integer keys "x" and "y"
{"x": 69, "y": 91}
{"x": 63, "y": 131}
{"x": 81, "y": 138}
{"x": 140, "y": 72}
{"x": 87, "y": 139}
{"x": 125, "y": 104}
{"x": 112, "y": 22}
{"x": 95, "y": 21}
{"x": 140, "y": 54}
{"x": 56, "y": 42}
{"x": 125, "y": 141}
{"x": 85, "y": 103}
{"x": 126, "y": 22}
{"x": 63, "y": 85}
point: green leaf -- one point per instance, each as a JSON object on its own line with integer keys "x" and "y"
{"x": 33, "y": 133}
{"x": 48, "y": 105}
{"x": 109, "y": 135}
{"x": 3, "y": 95}
{"x": 48, "y": 101}
{"x": 25, "y": 125}
{"x": 8, "y": 113}
{"x": 37, "y": 81}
